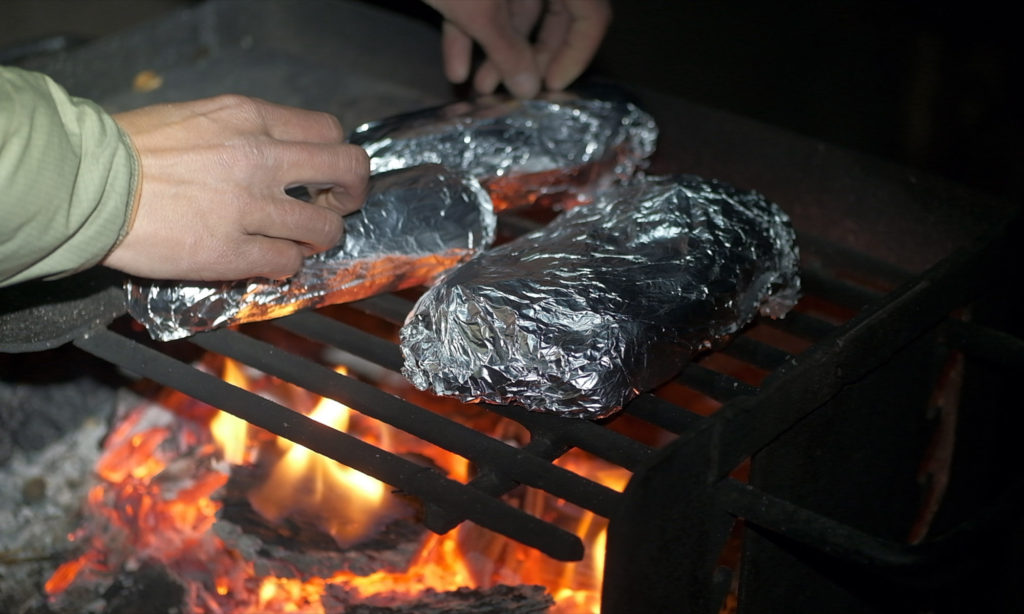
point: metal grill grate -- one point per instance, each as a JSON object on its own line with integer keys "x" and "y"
{"x": 499, "y": 466}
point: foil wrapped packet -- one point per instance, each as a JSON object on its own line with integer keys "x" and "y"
{"x": 607, "y": 301}
{"x": 416, "y": 224}
{"x": 557, "y": 151}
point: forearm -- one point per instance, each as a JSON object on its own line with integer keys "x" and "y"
{"x": 68, "y": 177}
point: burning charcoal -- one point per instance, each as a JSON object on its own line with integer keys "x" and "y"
{"x": 148, "y": 589}
{"x": 608, "y": 300}
{"x": 555, "y": 151}
{"x": 416, "y": 224}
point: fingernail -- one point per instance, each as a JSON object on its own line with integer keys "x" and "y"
{"x": 524, "y": 85}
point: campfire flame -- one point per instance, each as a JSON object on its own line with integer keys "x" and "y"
{"x": 228, "y": 430}
{"x": 344, "y": 502}
{"x": 157, "y": 501}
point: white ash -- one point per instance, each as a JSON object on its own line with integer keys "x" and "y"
{"x": 41, "y": 496}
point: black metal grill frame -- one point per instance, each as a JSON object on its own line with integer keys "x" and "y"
{"x": 701, "y": 459}
{"x": 680, "y": 510}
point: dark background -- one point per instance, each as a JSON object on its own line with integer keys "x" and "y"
{"x": 934, "y": 86}
{"x": 929, "y": 85}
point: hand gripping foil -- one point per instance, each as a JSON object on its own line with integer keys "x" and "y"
{"x": 555, "y": 152}
{"x": 416, "y": 224}
{"x": 608, "y": 300}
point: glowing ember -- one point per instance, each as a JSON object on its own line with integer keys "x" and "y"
{"x": 157, "y": 501}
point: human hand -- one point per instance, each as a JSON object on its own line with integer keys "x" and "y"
{"x": 211, "y": 204}
{"x": 568, "y": 35}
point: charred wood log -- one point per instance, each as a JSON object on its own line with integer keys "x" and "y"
{"x": 501, "y": 599}
{"x": 297, "y": 548}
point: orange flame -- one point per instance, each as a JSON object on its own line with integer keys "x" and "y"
{"x": 342, "y": 501}
{"x": 144, "y": 517}
{"x": 229, "y": 431}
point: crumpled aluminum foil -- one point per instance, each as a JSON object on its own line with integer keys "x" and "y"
{"x": 556, "y": 151}
{"x": 608, "y": 300}
{"x": 416, "y": 224}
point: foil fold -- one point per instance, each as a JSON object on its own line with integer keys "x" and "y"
{"x": 416, "y": 224}
{"x": 555, "y": 151}
{"x": 607, "y": 301}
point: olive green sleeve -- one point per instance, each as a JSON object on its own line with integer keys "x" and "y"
{"x": 68, "y": 176}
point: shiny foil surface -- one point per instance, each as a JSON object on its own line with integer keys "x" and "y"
{"x": 607, "y": 301}
{"x": 416, "y": 224}
{"x": 557, "y": 151}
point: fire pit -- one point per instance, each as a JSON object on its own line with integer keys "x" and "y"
{"x": 807, "y": 466}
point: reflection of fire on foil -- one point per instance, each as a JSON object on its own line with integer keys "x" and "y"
{"x": 416, "y": 224}
{"x": 608, "y": 300}
{"x": 556, "y": 151}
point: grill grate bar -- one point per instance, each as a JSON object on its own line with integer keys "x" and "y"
{"x": 441, "y": 521}
{"x": 345, "y": 337}
{"x": 759, "y": 354}
{"x": 801, "y": 325}
{"x": 428, "y": 426}
{"x": 610, "y": 445}
{"x": 414, "y": 479}
{"x": 995, "y": 346}
{"x": 829, "y": 256}
{"x": 718, "y": 386}
{"x": 662, "y": 413}
{"x": 388, "y": 307}
{"x": 926, "y": 563}
{"x": 551, "y": 436}
{"x": 821, "y": 284}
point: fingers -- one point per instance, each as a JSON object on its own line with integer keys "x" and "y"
{"x": 336, "y": 175}
{"x": 577, "y": 41}
{"x": 265, "y": 257}
{"x": 211, "y": 203}
{"x": 569, "y": 36}
{"x": 309, "y": 225}
{"x": 553, "y": 33}
{"x": 523, "y": 16}
{"x": 488, "y": 78}
{"x": 457, "y": 50}
{"x": 512, "y": 59}
{"x": 492, "y": 25}
{"x": 310, "y": 153}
